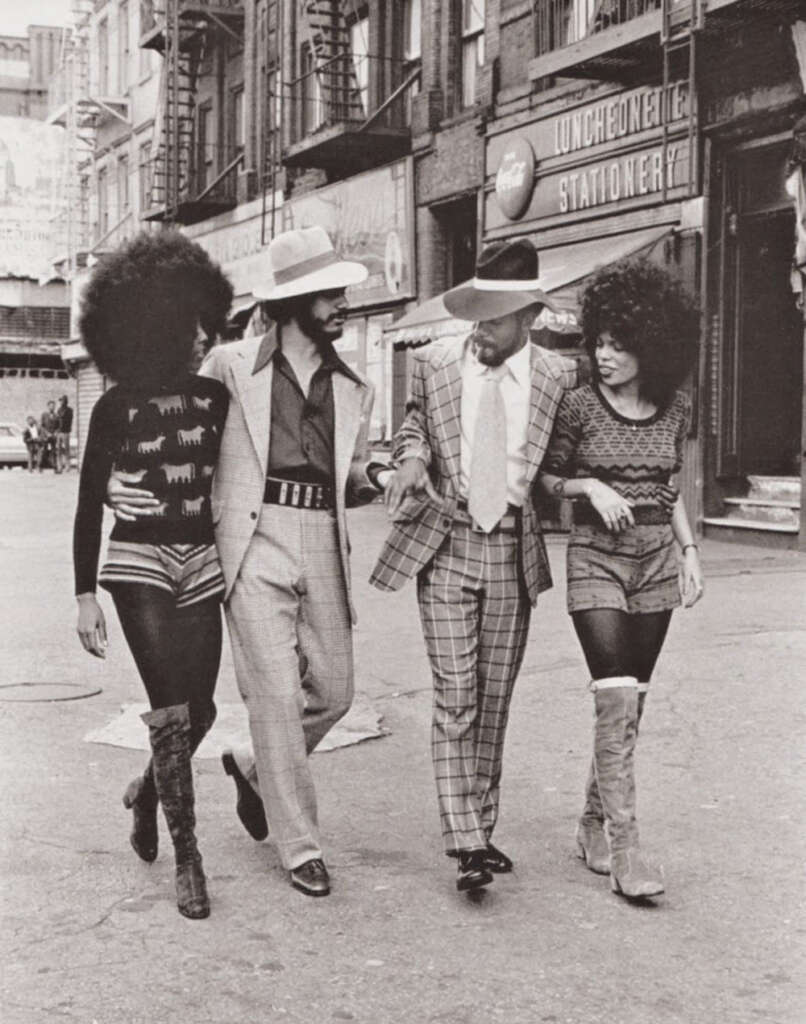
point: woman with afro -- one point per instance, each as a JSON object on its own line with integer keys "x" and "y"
{"x": 616, "y": 449}
{"x": 148, "y": 313}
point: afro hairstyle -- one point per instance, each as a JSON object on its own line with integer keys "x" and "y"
{"x": 646, "y": 309}
{"x": 143, "y": 302}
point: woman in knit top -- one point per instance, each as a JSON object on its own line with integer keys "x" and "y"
{"x": 148, "y": 310}
{"x": 617, "y": 445}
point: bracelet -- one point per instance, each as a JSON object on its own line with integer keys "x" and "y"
{"x": 685, "y": 548}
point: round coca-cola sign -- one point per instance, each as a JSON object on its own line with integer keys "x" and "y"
{"x": 515, "y": 179}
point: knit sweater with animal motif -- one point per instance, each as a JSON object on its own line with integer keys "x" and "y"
{"x": 172, "y": 437}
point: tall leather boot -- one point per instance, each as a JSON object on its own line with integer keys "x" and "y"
{"x": 592, "y": 846}
{"x": 616, "y": 729}
{"x": 141, "y": 794}
{"x": 169, "y": 732}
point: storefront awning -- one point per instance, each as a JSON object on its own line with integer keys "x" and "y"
{"x": 562, "y": 272}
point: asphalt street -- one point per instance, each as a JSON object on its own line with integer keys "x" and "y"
{"x": 91, "y": 935}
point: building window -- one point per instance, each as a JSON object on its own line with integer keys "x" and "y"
{"x": 144, "y": 59}
{"x": 238, "y": 113}
{"x": 123, "y": 48}
{"x": 312, "y": 106}
{"x": 103, "y": 203}
{"x": 472, "y": 48}
{"x": 144, "y": 175}
{"x": 123, "y": 186}
{"x": 204, "y": 147}
{"x": 412, "y": 48}
{"x": 103, "y": 57}
{"x": 359, "y": 48}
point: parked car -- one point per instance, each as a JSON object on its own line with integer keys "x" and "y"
{"x": 12, "y": 447}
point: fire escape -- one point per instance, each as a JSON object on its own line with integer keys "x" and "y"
{"x": 192, "y": 177}
{"x": 347, "y": 105}
{"x": 81, "y": 104}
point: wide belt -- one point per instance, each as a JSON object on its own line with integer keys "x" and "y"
{"x": 508, "y": 523}
{"x": 297, "y": 495}
{"x": 644, "y": 515}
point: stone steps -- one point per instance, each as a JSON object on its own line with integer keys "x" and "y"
{"x": 772, "y": 505}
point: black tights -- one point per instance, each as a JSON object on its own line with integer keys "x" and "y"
{"x": 616, "y": 643}
{"x": 177, "y": 650}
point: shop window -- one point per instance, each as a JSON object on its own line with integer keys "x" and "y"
{"x": 472, "y": 48}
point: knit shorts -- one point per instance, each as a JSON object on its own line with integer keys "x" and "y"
{"x": 635, "y": 571}
{"x": 191, "y": 572}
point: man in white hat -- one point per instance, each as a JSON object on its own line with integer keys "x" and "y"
{"x": 478, "y": 421}
{"x": 293, "y": 456}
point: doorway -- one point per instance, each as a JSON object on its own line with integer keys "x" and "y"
{"x": 761, "y": 379}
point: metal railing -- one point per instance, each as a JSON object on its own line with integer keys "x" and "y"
{"x": 152, "y": 12}
{"x": 560, "y": 23}
{"x": 342, "y": 91}
{"x": 208, "y": 174}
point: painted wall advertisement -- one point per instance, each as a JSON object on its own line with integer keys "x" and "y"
{"x": 608, "y": 153}
{"x": 370, "y": 219}
{"x": 31, "y": 160}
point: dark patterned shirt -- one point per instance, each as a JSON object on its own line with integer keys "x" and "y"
{"x": 174, "y": 437}
{"x": 637, "y": 458}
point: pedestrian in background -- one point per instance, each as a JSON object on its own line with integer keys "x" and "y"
{"x": 145, "y": 312}
{"x": 32, "y": 436}
{"x": 617, "y": 446}
{"x": 49, "y": 425}
{"x": 478, "y": 419}
{"x": 64, "y": 416}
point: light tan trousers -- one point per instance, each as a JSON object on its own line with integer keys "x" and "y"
{"x": 291, "y": 640}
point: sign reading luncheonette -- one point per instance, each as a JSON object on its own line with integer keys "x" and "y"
{"x": 605, "y": 152}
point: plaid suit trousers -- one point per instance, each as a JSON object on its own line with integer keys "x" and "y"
{"x": 292, "y": 646}
{"x": 475, "y": 617}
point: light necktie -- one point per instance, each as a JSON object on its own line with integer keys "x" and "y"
{"x": 487, "y": 490}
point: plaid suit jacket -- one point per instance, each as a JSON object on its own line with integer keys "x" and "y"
{"x": 431, "y": 431}
{"x": 246, "y": 368}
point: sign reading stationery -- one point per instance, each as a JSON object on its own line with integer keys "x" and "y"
{"x": 370, "y": 219}
{"x": 607, "y": 153}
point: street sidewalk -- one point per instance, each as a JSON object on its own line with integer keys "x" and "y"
{"x": 92, "y": 935}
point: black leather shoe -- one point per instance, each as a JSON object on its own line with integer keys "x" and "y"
{"x": 249, "y": 806}
{"x": 497, "y": 861}
{"x": 472, "y": 872}
{"x": 311, "y": 878}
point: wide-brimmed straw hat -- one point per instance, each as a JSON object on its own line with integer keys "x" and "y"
{"x": 303, "y": 262}
{"x": 506, "y": 280}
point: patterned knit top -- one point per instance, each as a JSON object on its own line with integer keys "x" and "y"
{"x": 637, "y": 458}
{"x": 174, "y": 436}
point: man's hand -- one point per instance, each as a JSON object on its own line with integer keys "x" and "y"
{"x": 411, "y": 478}
{"x": 127, "y": 501}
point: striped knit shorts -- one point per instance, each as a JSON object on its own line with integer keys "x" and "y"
{"x": 191, "y": 572}
{"x": 634, "y": 571}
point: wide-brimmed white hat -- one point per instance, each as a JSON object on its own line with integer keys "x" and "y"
{"x": 303, "y": 262}
{"x": 506, "y": 280}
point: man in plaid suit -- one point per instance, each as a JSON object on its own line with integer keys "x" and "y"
{"x": 477, "y": 424}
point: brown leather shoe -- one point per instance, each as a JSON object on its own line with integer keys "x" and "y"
{"x": 311, "y": 878}
{"x": 249, "y": 806}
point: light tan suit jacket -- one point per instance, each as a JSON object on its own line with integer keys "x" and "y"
{"x": 246, "y": 368}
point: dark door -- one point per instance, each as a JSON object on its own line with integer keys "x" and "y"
{"x": 761, "y": 364}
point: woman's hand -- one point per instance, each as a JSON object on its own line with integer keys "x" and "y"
{"x": 91, "y": 626}
{"x": 615, "y": 511}
{"x": 691, "y": 579}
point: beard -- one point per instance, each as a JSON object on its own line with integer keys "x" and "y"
{"x": 321, "y": 332}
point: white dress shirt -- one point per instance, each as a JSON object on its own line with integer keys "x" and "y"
{"x": 515, "y": 387}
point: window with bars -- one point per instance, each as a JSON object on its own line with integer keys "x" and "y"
{"x": 34, "y": 322}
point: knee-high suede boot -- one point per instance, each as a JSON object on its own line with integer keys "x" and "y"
{"x": 169, "y": 732}
{"x": 616, "y": 704}
{"x": 141, "y": 794}
{"x": 592, "y": 846}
